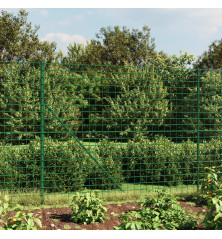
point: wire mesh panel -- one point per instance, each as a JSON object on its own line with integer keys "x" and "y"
{"x": 20, "y": 126}
{"x": 67, "y": 128}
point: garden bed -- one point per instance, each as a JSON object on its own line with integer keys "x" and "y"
{"x": 60, "y": 218}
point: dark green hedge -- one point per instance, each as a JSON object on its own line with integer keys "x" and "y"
{"x": 69, "y": 168}
{"x": 164, "y": 162}
{"x": 108, "y": 157}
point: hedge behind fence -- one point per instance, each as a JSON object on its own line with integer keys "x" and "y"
{"x": 67, "y": 167}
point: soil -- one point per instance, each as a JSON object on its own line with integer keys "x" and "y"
{"x": 60, "y": 218}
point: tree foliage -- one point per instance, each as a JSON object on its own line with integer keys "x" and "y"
{"x": 160, "y": 97}
{"x": 136, "y": 105}
{"x": 20, "y": 102}
{"x": 211, "y": 59}
{"x": 210, "y": 114}
{"x": 115, "y": 46}
{"x": 19, "y": 40}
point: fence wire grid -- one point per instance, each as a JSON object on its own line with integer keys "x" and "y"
{"x": 67, "y": 128}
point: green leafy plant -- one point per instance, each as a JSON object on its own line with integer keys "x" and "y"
{"x": 87, "y": 208}
{"x": 130, "y": 221}
{"x": 210, "y": 183}
{"x": 213, "y": 218}
{"x": 67, "y": 227}
{"x": 20, "y": 221}
{"x": 212, "y": 187}
{"x": 161, "y": 213}
{"x": 77, "y": 227}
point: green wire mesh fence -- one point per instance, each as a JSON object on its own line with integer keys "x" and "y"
{"x": 67, "y": 128}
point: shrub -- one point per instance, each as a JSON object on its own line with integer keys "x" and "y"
{"x": 152, "y": 162}
{"x": 209, "y": 155}
{"x": 108, "y": 157}
{"x": 139, "y": 162}
{"x": 166, "y": 163}
{"x": 67, "y": 167}
{"x": 63, "y": 168}
{"x": 87, "y": 209}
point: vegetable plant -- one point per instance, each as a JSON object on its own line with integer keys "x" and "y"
{"x": 20, "y": 221}
{"x": 212, "y": 187}
{"x": 210, "y": 184}
{"x": 161, "y": 213}
{"x": 87, "y": 208}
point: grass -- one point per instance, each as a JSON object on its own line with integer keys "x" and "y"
{"x": 131, "y": 193}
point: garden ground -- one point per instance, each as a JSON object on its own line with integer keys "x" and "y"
{"x": 60, "y": 218}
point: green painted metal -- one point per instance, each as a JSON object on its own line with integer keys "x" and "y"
{"x": 198, "y": 129}
{"x": 42, "y": 108}
{"x": 67, "y": 128}
{"x": 84, "y": 148}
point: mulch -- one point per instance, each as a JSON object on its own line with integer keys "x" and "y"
{"x": 60, "y": 218}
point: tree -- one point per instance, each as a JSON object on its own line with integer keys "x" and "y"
{"x": 178, "y": 79}
{"x": 75, "y": 54}
{"x": 210, "y": 114}
{"x": 115, "y": 46}
{"x": 211, "y": 59}
{"x": 20, "y": 102}
{"x": 130, "y": 104}
{"x": 19, "y": 40}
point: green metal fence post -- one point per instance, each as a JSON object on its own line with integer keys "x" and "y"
{"x": 42, "y": 129}
{"x": 198, "y": 129}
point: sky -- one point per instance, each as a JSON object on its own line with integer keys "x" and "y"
{"x": 189, "y": 30}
